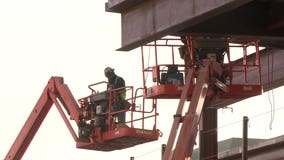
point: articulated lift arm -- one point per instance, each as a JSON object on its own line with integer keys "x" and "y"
{"x": 190, "y": 120}
{"x": 55, "y": 91}
{"x": 96, "y": 130}
{"x": 189, "y": 129}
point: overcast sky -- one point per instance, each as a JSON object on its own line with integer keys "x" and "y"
{"x": 77, "y": 40}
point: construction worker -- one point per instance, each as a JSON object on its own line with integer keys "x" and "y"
{"x": 114, "y": 83}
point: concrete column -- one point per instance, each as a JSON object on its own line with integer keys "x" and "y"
{"x": 208, "y": 137}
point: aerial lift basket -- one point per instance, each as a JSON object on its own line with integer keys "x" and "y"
{"x": 239, "y": 64}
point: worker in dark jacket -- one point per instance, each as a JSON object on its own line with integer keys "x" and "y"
{"x": 117, "y": 85}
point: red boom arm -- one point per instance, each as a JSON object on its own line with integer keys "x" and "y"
{"x": 54, "y": 91}
{"x": 188, "y": 132}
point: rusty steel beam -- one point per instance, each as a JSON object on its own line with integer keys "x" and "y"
{"x": 120, "y": 5}
{"x": 146, "y": 21}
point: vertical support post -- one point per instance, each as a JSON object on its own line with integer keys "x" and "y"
{"x": 189, "y": 47}
{"x": 163, "y": 149}
{"x": 156, "y": 53}
{"x": 245, "y": 138}
{"x": 173, "y": 55}
{"x": 245, "y": 63}
{"x": 143, "y": 67}
{"x": 208, "y": 135}
{"x": 257, "y": 54}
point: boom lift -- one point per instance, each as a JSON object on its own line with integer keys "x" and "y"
{"x": 203, "y": 71}
{"x": 208, "y": 75}
{"x": 94, "y": 118}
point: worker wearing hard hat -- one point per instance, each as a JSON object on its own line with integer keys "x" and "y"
{"x": 114, "y": 83}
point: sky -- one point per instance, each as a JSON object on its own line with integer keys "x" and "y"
{"x": 77, "y": 40}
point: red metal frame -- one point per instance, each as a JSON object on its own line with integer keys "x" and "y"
{"x": 237, "y": 69}
{"x": 124, "y": 136}
{"x": 161, "y": 91}
{"x": 232, "y": 69}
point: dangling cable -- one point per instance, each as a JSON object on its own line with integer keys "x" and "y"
{"x": 272, "y": 110}
{"x": 271, "y": 91}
